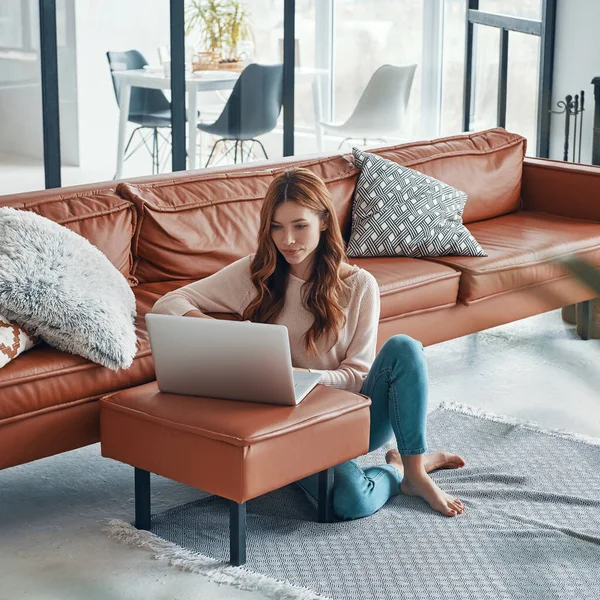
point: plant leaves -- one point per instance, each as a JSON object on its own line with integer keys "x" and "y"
{"x": 583, "y": 270}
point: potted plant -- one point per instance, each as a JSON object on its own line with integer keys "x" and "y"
{"x": 223, "y": 24}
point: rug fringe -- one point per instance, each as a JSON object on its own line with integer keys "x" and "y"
{"x": 214, "y": 570}
{"x": 526, "y": 424}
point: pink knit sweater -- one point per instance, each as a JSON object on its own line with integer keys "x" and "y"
{"x": 345, "y": 365}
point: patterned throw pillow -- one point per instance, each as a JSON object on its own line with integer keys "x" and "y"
{"x": 13, "y": 341}
{"x": 398, "y": 211}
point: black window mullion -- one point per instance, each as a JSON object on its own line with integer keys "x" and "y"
{"x": 468, "y": 83}
{"x": 178, "y": 143}
{"x": 547, "y": 41}
{"x": 503, "y": 78}
{"x": 289, "y": 60}
{"x": 504, "y": 22}
{"x": 50, "y": 98}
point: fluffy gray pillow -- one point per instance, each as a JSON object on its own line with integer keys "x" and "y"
{"x": 398, "y": 211}
{"x": 58, "y": 286}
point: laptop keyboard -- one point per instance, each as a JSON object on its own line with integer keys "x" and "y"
{"x": 301, "y": 378}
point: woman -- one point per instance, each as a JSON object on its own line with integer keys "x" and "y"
{"x": 299, "y": 277}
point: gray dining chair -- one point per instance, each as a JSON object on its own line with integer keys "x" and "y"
{"x": 148, "y": 108}
{"x": 251, "y": 110}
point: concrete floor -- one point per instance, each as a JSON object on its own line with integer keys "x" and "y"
{"x": 52, "y": 512}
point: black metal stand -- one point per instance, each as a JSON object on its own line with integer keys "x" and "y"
{"x": 326, "y": 496}
{"x": 572, "y": 107}
{"x": 237, "y": 147}
{"x": 596, "y": 138}
{"x": 237, "y": 533}
{"x": 142, "y": 499}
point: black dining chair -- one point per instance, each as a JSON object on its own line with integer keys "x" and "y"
{"x": 148, "y": 108}
{"x": 251, "y": 110}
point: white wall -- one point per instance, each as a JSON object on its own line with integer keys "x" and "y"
{"x": 576, "y": 63}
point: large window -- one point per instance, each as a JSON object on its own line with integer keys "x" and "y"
{"x": 523, "y": 70}
{"x": 339, "y": 44}
{"x": 90, "y": 150}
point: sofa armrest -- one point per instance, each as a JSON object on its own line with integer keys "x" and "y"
{"x": 561, "y": 188}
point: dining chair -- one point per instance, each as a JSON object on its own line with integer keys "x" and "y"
{"x": 148, "y": 108}
{"x": 251, "y": 110}
{"x": 380, "y": 110}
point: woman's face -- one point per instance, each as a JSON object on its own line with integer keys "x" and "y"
{"x": 296, "y": 231}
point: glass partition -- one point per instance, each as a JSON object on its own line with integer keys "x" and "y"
{"x": 525, "y": 9}
{"x": 367, "y": 35}
{"x": 312, "y": 74}
{"x": 453, "y": 67}
{"x": 110, "y": 46}
{"x": 237, "y": 48}
{"x": 523, "y": 85}
{"x": 21, "y": 145}
{"x": 486, "y": 77}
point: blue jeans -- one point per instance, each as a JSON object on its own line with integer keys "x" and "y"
{"x": 397, "y": 386}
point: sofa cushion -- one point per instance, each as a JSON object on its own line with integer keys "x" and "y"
{"x": 191, "y": 226}
{"x": 187, "y": 222}
{"x": 406, "y": 286}
{"x": 522, "y": 248}
{"x": 409, "y": 285}
{"x": 487, "y": 166}
{"x": 398, "y": 211}
{"x": 45, "y": 379}
{"x": 100, "y": 215}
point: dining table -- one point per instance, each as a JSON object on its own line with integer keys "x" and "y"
{"x": 195, "y": 82}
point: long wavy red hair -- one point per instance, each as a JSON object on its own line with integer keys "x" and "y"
{"x": 269, "y": 271}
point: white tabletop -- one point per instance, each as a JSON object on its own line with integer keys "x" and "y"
{"x": 156, "y": 78}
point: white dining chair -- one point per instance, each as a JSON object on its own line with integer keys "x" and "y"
{"x": 381, "y": 107}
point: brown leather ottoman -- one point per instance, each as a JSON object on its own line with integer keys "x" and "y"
{"x": 236, "y": 450}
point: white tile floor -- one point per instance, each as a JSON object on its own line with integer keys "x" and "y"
{"x": 52, "y": 511}
{"x": 21, "y": 174}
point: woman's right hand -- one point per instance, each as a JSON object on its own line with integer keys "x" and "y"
{"x": 197, "y": 314}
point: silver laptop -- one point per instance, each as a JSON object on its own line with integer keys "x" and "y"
{"x": 226, "y": 359}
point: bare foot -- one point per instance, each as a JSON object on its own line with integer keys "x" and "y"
{"x": 424, "y": 487}
{"x": 431, "y": 462}
{"x": 442, "y": 460}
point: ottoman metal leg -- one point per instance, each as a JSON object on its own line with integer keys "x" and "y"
{"x": 584, "y": 319}
{"x": 142, "y": 499}
{"x": 237, "y": 533}
{"x": 326, "y": 496}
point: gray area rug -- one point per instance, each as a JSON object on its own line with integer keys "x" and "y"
{"x": 531, "y": 529}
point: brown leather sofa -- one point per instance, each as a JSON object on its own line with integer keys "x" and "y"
{"x": 163, "y": 232}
